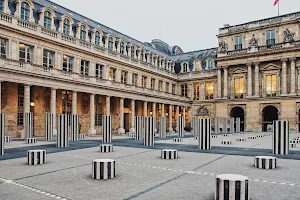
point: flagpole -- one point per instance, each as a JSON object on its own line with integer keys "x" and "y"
{"x": 278, "y": 7}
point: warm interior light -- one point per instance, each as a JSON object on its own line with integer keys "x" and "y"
{"x": 31, "y": 104}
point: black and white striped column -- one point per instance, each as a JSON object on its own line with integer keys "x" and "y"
{"x": 231, "y": 125}
{"x": 7, "y": 139}
{"x": 81, "y": 136}
{"x": 265, "y": 162}
{"x": 106, "y": 129}
{"x": 30, "y": 140}
{"x": 138, "y": 127}
{"x": 106, "y": 148}
{"x": 177, "y": 139}
{"x": 36, "y": 157}
{"x": 180, "y": 126}
{"x": 149, "y": 131}
{"x": 226, "y": 142}
{"x": 28, "y": 125}
{"x": 2, "y": 138}
{"x": 162, "y": 127}
{"x": 169, "y": 154}
{"x": 232, "y": 186}
{"x": 238, "y": 124}
{"x": 224, "y": 125}
{"x": 104, "y": 169}
{"x": 62, "y": 131}
{"x": 203, "y": 127}
{"x": 49, "y": 126}
{"x": 75, "y": 127}
{"x": 280, "y": 141}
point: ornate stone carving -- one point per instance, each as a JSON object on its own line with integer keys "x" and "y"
{"x": 253, "y": 41}
{"x": 288, "y": 36}
{"x": 47, "y": 99}
{"x": 223, "y": 46}
{"x": 85, "y": 103}
{"x": 202, "y": 111}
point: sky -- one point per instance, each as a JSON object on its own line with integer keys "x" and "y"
{"x": 190, "y": 24}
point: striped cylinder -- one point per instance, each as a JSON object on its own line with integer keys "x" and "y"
{"x": 36, "y": 157}
{"x": 62, "y": 131}
{"x": 196, "y": 138}
{"x": 30, "y": 140}
{"x": 132, "y": 135}
{"x": 148, "y": 131}
{"x": 106, "y": 129}
{"x": 238, "y": 124}
{"x": 214, "y": 136}
{"x": 231, "y": 121}
{"x": 138, "y": 127}
{"x": 225, "y": 121}
{"x": 162, "y": 127}
{"x": 295, "y": 141}
{"x": 81, "y": 136}
{"x": 226, "y": 142}
{"x": 203, "y": 127}
{"x": 104, "y": 169}
{"x": 2, "y": 137}
{"x": 169, "y": 154}
{"x": 180, "y": 126}
{"x": 7, "y": 139}
{"x": 28, "y": 125}
{"x": 293, "y": 145}
{"x": 75, "y": 127}
{"x": 252, "y": 137}
{"x": 265, "y": 162}
{"x": 281, "y": 129}
{"x": 49, "y": 126}
{"x": 232, "y": 186}
{"x": 217, "y": 128}
{"x": 225, "y": 135}
{"x": 241, "y": 139}
{"x": 260, "y": 136}
{"x": 106, "y": 148}
{"x": 177, "y": 139}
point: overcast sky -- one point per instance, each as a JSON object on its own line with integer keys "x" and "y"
{"x": 190, "y": 24}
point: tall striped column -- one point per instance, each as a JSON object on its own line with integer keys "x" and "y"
{"x": 231, "y": 125}
{"x": 217, "y": 128}
{"x": 280, "y": 142}
{"x": 1, "y": 134}
{"x": 62, "y": 131}
{"x": 204, "y": 131}
{"x": 180, "y": 126}
{"x": 138, "y": 127}
{"x": 238, "y": 124}
{"x": 75, "y": 127}
{"x": 225, "y": 125}
{"x": 149, "y": 131}
{"x": 106, "y": 129}
{"x": 28, "y": 125}
{"x": 195, "y": 130}
{"x": 49, "y": 126}
{"x": 162, "y": 127}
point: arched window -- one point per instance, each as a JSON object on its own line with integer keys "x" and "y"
{"x": 25, "y": 11}
{"x": 132, "y": 51}
{"x": 122, "y": 48}
{"x": 110, "y": 43}
{"x": 47, "y": 19}
{"x": 97, "y": 38}
{"x": 210, "y": 64}
{"x": 82, "y": 32}
{"x": 66, "y": 30}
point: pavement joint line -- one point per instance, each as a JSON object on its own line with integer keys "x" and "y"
{"x": 33, "y": 189}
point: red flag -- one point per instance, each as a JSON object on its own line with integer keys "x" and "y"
{"x": 275, "y": 2}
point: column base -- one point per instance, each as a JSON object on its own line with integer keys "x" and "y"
{"x": 170, "y": 129}
{"x": 292, "y": 94}
{"x": 283, "y": 95}
{"x": 249, "y": 97}
{"x": 176, "y": 129}
{"x": 256, "y": 96}
{"x": 224, "y": 97}
{"x": 92, "y": 131}
{"x": 132, "y": 130}
{"x": 121, "y": 131}
{"x": 54, "y": 132}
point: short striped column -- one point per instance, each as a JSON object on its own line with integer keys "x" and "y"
{"x": 241, "y": 139}
{"x": 293, "y": 145}
{"x": 75, "y": 127}
{"x": 214, "y": 136}
{"x": 138, "y": 127}
{"x": 106, "y": 148}
{"x": 217, "y": 128}
{"x": 238, "y": 124}
{"x": 162, "y": 127}
{"x": 104, "y": 169}
{"x": 232, "y": 186}
{"x": 169, "y": 154}
{"x": 36, "y": 157}
{"x": 260, "y": 136}
{"x": 7, "y": 139}
{"x": 180, "y": 126}
{"x": 149, "y": 131}
{"x": 132, "y": 135}
{"x": 265, "y": 162}
{"x": 49, "y": 126}
{"x": 28, "y": 125}
{"x": 106, "y": 129}
{"x": 226, "y": 142}
{"x": 81, "y": 136}
{"x": 2, "y": 137}
{"x": 204, "y": 131}
{"x": 281, "y": 129}
{"x": 231, "y": 124}
{"x": 252, "y": 137}
{"x": 30, "y": 140}
{"x": 177, "y": 139}
{"x": 62, "y": 131}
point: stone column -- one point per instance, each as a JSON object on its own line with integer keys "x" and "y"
{"x": 26, "y": 99}
{"x": 219, "y": 83}
{"x": 74, "y": 103}
{"x": 283, "y": 77}
{"x": 170, "y": 119}
{"x": 132, "y": 129}
{"x": 0, "y": 99}
{"x": 249, "y": 80}
{"x": 177, "y": 117}
{"x": 107, "y": 105}
{"x": 225, "y": 82}
{"x": 183, "y": 112}
{"x": 256, "y": 80}
{"x": 53, "y": 109}
{"x": 162, "y": 110}
{"x": 145, "y": 109}
{"x": 293, "y": 76}
{"x": 121, "y": 130}
{"x": 92, "y": 130}
{"x": 154, "y": 115}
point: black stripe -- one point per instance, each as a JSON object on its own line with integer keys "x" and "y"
{"x": 274, "y": 136}
{"x": 238, "y": 190}
{"x": 217, "y": 189}
{"x": 38, "y": 157}
{"x": 32, "y": 158}
{"x": 101, "y": 170}
{"x": 263, "y": 163}
{"x": 246, "y": 189}
{"x": 226, "y": 190}
{"x": 270, "y": 164}
{"x": 95, "y": 170}
{"x": 279, "y": 137}
{"x": 109, "y": 170}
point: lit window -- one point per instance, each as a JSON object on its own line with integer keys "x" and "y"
{"x": 160, "y": 86}
{"x": 134, "y": 79}
{"x": 3, "y": 47}
{"x": 173, "y": 89}
{"x": 197, "y": 91}
{"x": 132, "y": 52}
{"x": 198, "y": 65}
{"x": 167, "y": 87}
{"x": 238, "y": 42}
{"x": 25, "y": 53}
{"x": 99, "y": 71}
{"x": 183, "y": 90}
{"x": 1, "y": 5}
{"x": 209, "y": 90}
{"x": 152, "y": 84}
{"x": 124, "y": 77}
{"x": 112, "y": 74}
{"x": 110, "y": 43}
{"x": 210, "y": 64}
{"x": 144, "y": 81}
{"x": 271, "y": 85}
{"x": 68, "y": 63}
{"x": 25, "y": 11}
{"x": 47, "y": 19}
{"x": 66, "y": 27}
{"x": 82, "y": 32}
{"x": 97, "y": 38}
{"x": 239, "y": 87}
{"x": 48, "y": 59}
{"x": 122, "y": 48}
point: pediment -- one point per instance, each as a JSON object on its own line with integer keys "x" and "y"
{"x": 270, "y": 67}
{"x": 238, "y": 71}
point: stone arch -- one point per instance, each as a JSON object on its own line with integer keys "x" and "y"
{"x": 269, "y": 113}
{"x": 238, "y": 112}
{"x": 202, "y": 111}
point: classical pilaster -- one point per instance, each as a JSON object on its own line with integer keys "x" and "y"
{"x": 225, "y": 82}
{"x": 0, "y": 97}
{"x": 249, "y": 78}
{"x": 170, "y": 118}
{"x": 183, "y": 112}
{"x": 92, "y": 130}
{"x": 26, "y": 99}
{"x": 162, "y": 110}
{"x": 219, "y": 83}
{"x": 107, "y": 105}
{"x": 145, "y": 109}
{"x": 53, "y": 109}
{"x": 293, "y": 76}
{"x": 74, "y": 102}
{"x": 283, "y": 77}
{"x": 177, "y": 117}
{"x": 121, "y": 130}
{"x": 132, "y": 128}
{"x": 256, "y": 80}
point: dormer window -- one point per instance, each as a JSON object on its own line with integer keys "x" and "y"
{"x": 270, "y": 37}
{"x": 198, "y": 65}
{"x": 122, "y": 48}
{"x": 142, "y": 55}
{"x": 238, "y": 42}
{"x": 47, "y": 19}
{"x": 25, "y": 11}
{"x": 110, "y": 44}
{"x": 210, "y": 64}
{"x": 132, "y": 52}
{"x": 1, "y": 5}
{"x": 66, "y": 29}
{"x": 103, "y": 41}
{"x": 185, "y": 67}
{"x": 82, "y": 32}
{"x": 97, "y": 38}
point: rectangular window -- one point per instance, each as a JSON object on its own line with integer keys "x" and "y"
{"x": 160, "y": 86}
{"x": 134, "y": 79}
{"x": 25, "y": 53}
{"x": 20, "y": 120}
{"x": 144, "y": 81}
{"x": 68, "y": 63}
{"x": 99, "y": 71}
{"x": 271, "y": 84}
{"x": 239, "y": 87}
{"x": 183, "y": 90}
{"x": 270, "y": 37}
{"x": 84, "y": 70}
{"x": 1, "y": 5}
{"x": 167, "y": 87}
{"x": 197, "y": 91}
{"x": 173, "y": 89}
{"x": 48, "y": 59}
{"x": 238, "y": 42}
{"x": 112, "y": 74}
{"x": 98, "y": 113}
{"x": 124, "y": 77}
{"x": 3, "y": 47}
{"x": 152, "y": 84}
{"x": 209, "y": 90}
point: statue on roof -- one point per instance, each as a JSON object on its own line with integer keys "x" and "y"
{"x": 253, "y": 41}
{"x": 288, "y": 36}
{"x": 223, "y": 47}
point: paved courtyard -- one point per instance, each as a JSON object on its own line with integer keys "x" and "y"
{"x": 142, "y": 174}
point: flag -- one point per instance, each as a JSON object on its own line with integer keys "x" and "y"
{"x": 276, "y": 2}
